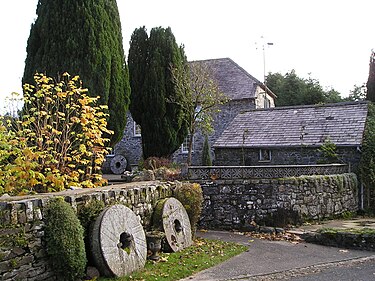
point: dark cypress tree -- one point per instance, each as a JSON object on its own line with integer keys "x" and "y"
{"x": 206, "y": 155}
{"x": 371, "y": 79}
{"x": 155, "y": 98}
{"x": 82, "y": 38}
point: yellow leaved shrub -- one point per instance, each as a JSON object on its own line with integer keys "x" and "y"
{"x": 57, "y": 142}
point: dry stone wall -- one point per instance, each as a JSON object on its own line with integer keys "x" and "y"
{"x": 239, "y": 203}
{"x": 22, "y": 248}
{"x": 228, "y": 204}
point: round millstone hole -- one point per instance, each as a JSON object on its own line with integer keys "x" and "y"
{"x": 175, "y": 223}
{"x": 126, "y": 242}
{"x": 118, "y": 242}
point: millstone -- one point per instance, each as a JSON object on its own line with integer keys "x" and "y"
{"x": 171, "y": 214}
{"x": 118, "y": 164}
{"x": 118, "y": 242}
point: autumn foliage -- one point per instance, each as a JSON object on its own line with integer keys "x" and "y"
{"x": 57, "y": 142}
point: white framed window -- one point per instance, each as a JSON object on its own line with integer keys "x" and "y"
{"x": 265, "y": 155}
{"x": 267, "y": 103}
{"x": 136, "y": 129}
{"x": 185, "y": 145}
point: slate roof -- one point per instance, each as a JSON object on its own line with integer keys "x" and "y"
{"x": 294, "y": 126}
{"x": 235, "y": 82}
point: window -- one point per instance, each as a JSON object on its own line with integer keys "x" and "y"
{"x": 265, "y": 155}
{"x": 137, "y": 130}
{"x": 197, "y": 110}
{"x": 267, "y": 103}
{"x": 185, "y": 145}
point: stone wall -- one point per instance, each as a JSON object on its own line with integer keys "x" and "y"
{"x": 238, "y": 203}
{"x": 228, "y": 204}
{"x": 22, "y": 249}
{"x": 282, "y": 156}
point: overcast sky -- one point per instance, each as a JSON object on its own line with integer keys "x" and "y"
{"x": 331, "y": 39}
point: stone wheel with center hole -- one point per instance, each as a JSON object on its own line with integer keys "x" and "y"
{"x": 118, "y": 242}
{"x": 172, "y": 218}
{"x": 118, "y": 164}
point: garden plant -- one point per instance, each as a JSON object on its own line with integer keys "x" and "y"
{"x": 57, "y": 142}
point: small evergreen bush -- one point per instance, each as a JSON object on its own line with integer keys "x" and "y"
{"x": 367, "y": 164}
{"x": 329, "y": 154}
{"x": 88, "y": 213}
{"x": 191, "y": 197}
{"x": 65, "y": 240}
{"x": 206, "y": 156}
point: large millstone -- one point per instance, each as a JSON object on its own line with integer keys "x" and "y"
{"x": 118, "y": 242}
{"x": 118, "y": 164}
{"x": 171, "y": 216}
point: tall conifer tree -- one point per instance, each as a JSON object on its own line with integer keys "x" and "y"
{"x": 371, "y": 79}
{"x": 82, "y": 38}
{"x": 155, "y": 98}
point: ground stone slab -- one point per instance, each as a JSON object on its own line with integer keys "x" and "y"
{"x": 176, "y": 224}
{"x": 118, "y": 242}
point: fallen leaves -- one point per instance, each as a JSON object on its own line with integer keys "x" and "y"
{"x": 285, "y": 236}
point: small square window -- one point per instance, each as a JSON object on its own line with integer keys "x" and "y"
{"x": 265, "y": 155}
{"x": 185, "y": 145}
{"x": 137, "y": 130}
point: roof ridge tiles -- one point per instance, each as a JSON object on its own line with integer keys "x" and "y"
{"x": 337, "y": 104}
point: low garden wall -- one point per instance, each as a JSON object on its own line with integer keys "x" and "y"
{"x": 236, "y": 203}
{"x": 22, "y": 249}
{"x": 229, "y": 203}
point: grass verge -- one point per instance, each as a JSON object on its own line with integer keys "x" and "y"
{"x": 174, "y": 266}
{"x": 361, "y": 231}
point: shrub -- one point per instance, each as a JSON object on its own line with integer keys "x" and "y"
{"x": 88, "y": 213}
{"x": 367, "y": 163}
{"x": 56, "y": 143}
{"x": 206, "y": 156}
{"x": 64, "y": 239}
{"x": 328, "y": 150}
{"x": 191, "y": 197}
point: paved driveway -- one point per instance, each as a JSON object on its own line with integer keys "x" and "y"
{"x": 281, "y": 260}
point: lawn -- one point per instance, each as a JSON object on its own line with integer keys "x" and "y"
{"x": 174, "y": 266}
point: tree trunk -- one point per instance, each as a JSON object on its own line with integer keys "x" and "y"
{"x": 191, "y": 137}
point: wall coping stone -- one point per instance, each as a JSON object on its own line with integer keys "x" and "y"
{"x": 77, "y": 192}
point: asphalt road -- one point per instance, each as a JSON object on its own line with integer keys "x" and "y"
{"x": 358, "y": 270}
{"x": 282, "y": 260}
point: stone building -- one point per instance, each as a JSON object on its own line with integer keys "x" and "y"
{"x": 244, "y": 92}
{"x": 293, "y": 135}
